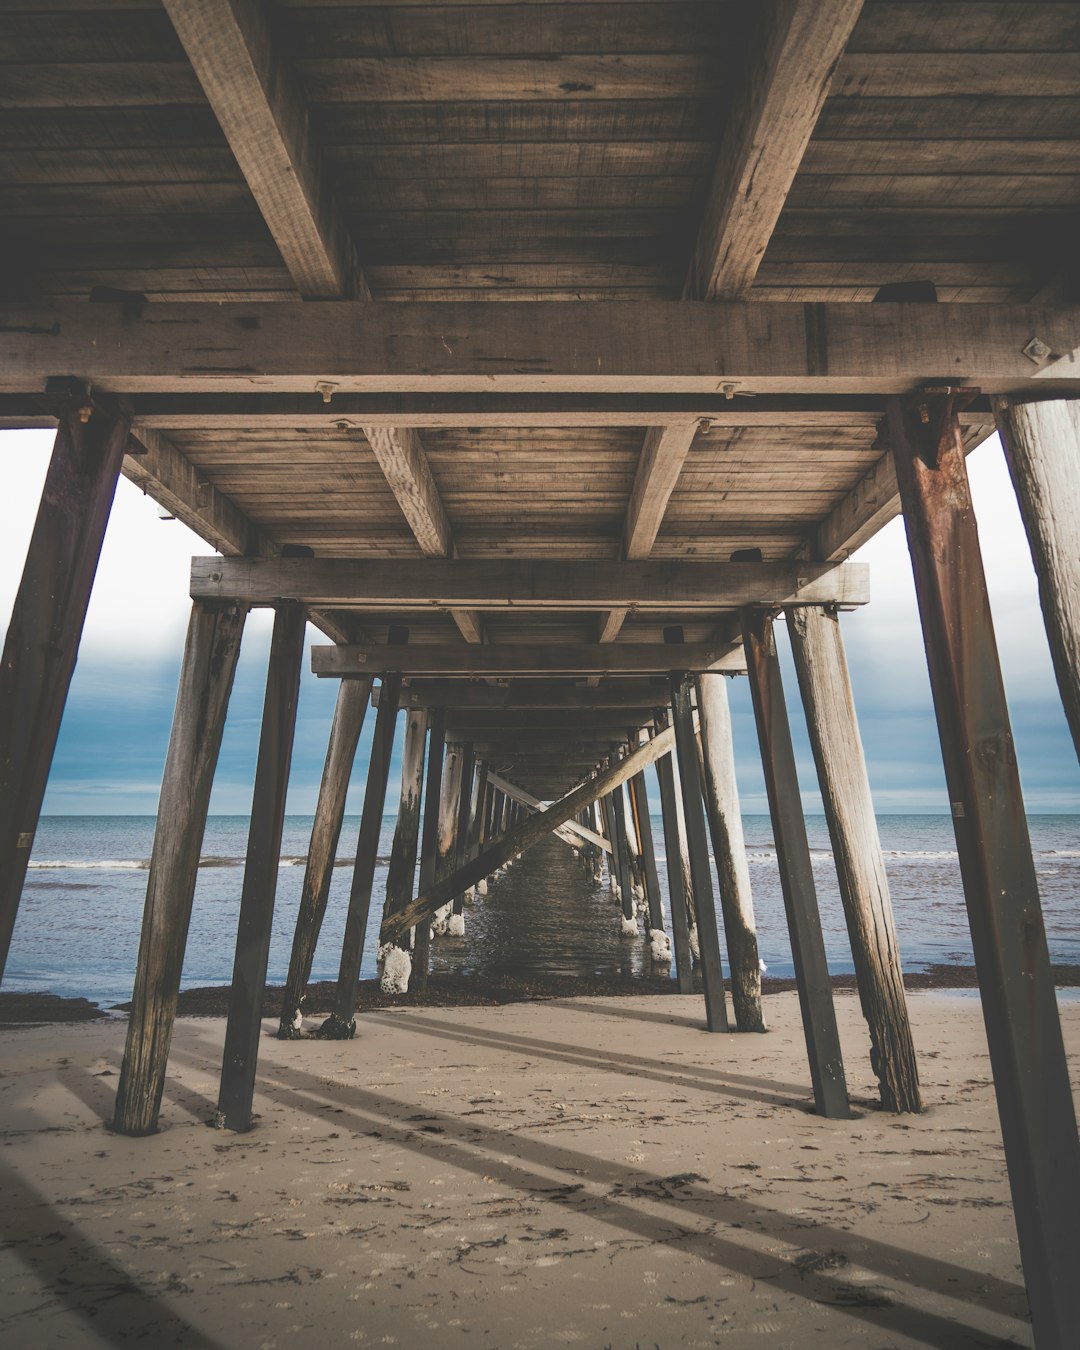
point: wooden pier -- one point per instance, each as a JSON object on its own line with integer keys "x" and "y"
{"x": 541, "y": 357}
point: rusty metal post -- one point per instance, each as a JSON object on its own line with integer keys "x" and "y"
{"x": 796, "y": 870}
{"x": 1031, "y": 1077}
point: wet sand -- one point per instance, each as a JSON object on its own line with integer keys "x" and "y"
{"x": 594, "y": 1172}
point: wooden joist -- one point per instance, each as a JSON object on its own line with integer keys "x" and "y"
{"x": 521, "y": 585}
{"x": 172, "y": 480}
{"x": 588, "y": 347}
{"x": 262, "y": 111}
{"x": 784, "y": 76}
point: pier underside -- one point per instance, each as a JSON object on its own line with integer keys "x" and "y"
{"x": 543, "y": 357}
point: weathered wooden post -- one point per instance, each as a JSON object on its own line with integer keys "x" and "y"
{"x": 818, "y": 648}
{"x": 729, "y": 850}
{"x": 673, "y": 848}
{"x": 446, "y": 851}
{"x": 712, "y": 976}
{"x": 349, "y": 713}
{"x": 401, "y": 872}
{"x": 429, "y": 846}
{"x": 341, "y": 1024}
{"x": 639, "y": 802}
{"x": 261, "y": 869}
{"x": 1031, "y": 1077}
{"x": 46, "y": 626}
{"x": 621, "y": 852}
{"x": 202, "y": 700}
{"x": 796, "y": 869}
{"x": 1042, "y": 447}
{"x": 461, "y": 824}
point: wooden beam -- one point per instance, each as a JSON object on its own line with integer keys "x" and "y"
{"x": 259, "y": 105}
{"x": 527, "y": 585}
{"x": 42, "y": 642}
{"x": 784, "y": 76}
{"x": 589, "y": 347}
{"x": 821, "y": 667}
{"x": 244, "y": 1027}
{"x": 571, "y": 827}
{"x": 349, "y": 713}
{"x": 202, "y": 700}
{"x": 401, "y": 457}
{"x": 659, "y": 465}
{"x": 613, "y": 658}
{"x": 1001, "y": 889}
{"x": 796, "y": 869}
{"x": 662, "y": 456}
{"x": 167, "y": 476}
{"x": 528, "y": 695}
{"x": 265, "y": 412}
{"x": 523, "y": 836}
{"x": 721, "y": 794}
{"x": 1042, "y": 446}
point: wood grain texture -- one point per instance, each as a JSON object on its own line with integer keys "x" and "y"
{"x": 792, "y": 52}
{"x": 1042, "y": 446}
{"x": 522, "y": 659}
{"x": 265, "y": 119}
{"x": 528, "y": 585}
{"x": 817, "y": 646}
{"x": 349, "y": 712}
{"x": 588, "y": 347}
{"x": 206, "y": 678}
{"x": 721, "y": 795}
{"x": 41, "y": 646}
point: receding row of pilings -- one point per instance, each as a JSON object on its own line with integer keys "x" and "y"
{"x": 1023, "y": 1028}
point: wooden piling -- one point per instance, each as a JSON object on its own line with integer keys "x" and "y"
{"x": 202, "y": 699}
{"x": 261, "y": 869}
{"x": 461, "y": 825}
{"x": 796, "y": 870}
{"x": 673, "y": 848}
{"x": 620, "y": 850}
{"x": 818, "y": 648}
{"x": 46, "y": 626}
{"x": 401, "y": 872}
{"x": 341, "y": 1024}
{"x": 639, "y": 801}
{"x": 1042, "y": 447}
{"x": 729, "y": 851}
{"x": 1031, "y": 1077}
{"x": 712, "y": 976}
{"x": 429, "y": 846}
{"x": 349, "y": 713}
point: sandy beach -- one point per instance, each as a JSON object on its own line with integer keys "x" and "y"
{"x": 595, "y": 1172}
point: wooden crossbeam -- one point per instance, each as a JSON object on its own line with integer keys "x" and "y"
{"x": 572, "y": 828}
{"x": 528, "y": 585}
{"x": 784, "y": 76}
{"x": 589, "y": 347}
{"x": 532, "y": 694}
{"x": 264, "y": 412}
{"x": 612, "y": 658}
{"x": 173, "y": 481}
{"x": 261, "y": 109}
{"x": 524, "y": 835}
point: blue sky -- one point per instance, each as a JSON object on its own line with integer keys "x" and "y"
{"x": 112, "y": 744}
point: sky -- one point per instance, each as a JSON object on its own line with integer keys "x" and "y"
{"x": 112, "y": 744}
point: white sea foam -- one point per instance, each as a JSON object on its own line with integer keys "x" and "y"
{"x": 95, "y": 865}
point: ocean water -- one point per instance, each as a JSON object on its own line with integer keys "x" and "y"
{"x": 78, "y": 927}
